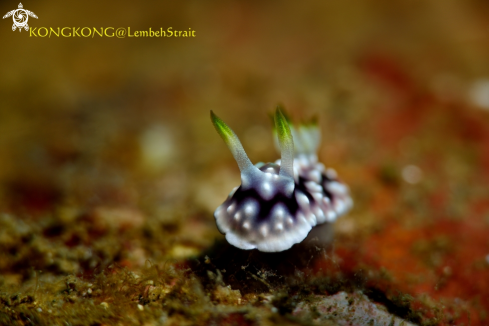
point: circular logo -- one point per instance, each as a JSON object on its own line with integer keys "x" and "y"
{"x": 20, "y": 17}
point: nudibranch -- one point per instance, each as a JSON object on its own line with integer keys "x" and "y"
{"x": 278, "y": 203}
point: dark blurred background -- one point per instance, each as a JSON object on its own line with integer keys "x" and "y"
{"x": 83, "y": 107}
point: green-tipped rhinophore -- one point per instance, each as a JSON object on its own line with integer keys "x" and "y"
{"x": 233, "y": 143}
{"x": 286, "y": 143}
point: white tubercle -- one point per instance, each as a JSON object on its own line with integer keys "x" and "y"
{"x": 231, "y": 208}
{"x": 314, "y": 175}
{"x": 246, "y": 225}
{"x": 337, "y": 187}
{"x": 250, "y": 208}
{"x": 279, "y": 226}
{"x": 302, "y": 199}
{"x": 331, "y": 173}
{"x": 313, "y": 186}
{"x": 279, "y": 212}
{"x": 319, "y": 214}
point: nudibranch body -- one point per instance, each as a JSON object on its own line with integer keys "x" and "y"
{"x": 278, "y": 203}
